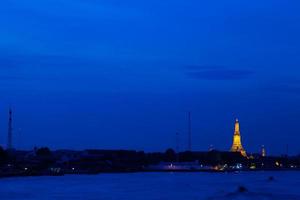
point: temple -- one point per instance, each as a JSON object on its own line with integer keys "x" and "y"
{"x": 237, "y": 143}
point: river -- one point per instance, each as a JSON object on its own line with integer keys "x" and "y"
{"x": 155, "y": 186}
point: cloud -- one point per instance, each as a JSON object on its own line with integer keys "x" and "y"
{"x": 217, "y": 73}
{"x": 18, "y": 61}
{"x": 5, "y": 78}
{"x": 288, "y": 88}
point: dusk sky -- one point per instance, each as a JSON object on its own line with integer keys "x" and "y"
{"x": 123, "y": 74}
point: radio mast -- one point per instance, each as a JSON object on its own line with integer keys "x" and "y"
{"x": 10, "y": 131}
{"x": 189, "y": 132}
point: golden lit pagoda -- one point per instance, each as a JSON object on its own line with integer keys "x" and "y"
{"x": 237, "y": 143}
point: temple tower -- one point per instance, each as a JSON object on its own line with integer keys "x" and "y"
{"x": 237, "y": 143}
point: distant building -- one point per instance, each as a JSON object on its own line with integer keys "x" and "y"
{"x": 211, "y": 148}
{"x": 178, "y": 166}
{"x": 263, "y": 151}
{"x": 237, "y": 143}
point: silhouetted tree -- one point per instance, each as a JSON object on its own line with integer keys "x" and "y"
{"x": 186, "y": 156}
{"x": 3, "y": 155}
{"x": 44, "y": 151}
{"x": 170, "y": 155}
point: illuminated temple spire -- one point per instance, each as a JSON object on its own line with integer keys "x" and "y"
{"x": 237, "y": 143}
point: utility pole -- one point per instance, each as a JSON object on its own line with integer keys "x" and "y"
{"x": 177, "y": 147}
{"x": 10, "y": 131}
{"x": 177, "y": 142}
{"x": 189, "y": 132}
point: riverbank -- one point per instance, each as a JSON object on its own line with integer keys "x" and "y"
{"x": 29, "y": 174}
{"x": 44, "y": 162}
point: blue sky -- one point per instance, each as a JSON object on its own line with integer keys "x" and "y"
{"x": 115, "y": 74}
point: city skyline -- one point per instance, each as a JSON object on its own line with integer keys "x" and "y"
{"x": 123, "y": 75}
{"x": 236, "y": 142}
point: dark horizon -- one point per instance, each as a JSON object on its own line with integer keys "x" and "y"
{"x": 123, "y": 75}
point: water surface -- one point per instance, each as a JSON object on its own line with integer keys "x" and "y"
{"x": 154, "y": 186}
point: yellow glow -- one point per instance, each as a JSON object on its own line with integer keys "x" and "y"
{"x": 237, "y": 144}
{"x": 237, "y": 126}
{"x": 253, "y": 166}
